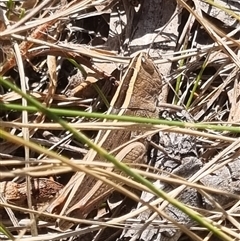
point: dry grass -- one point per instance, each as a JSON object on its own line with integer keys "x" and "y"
{"x": 49, "y": 54}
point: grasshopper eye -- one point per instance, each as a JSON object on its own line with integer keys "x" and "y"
{"x": 147, "y": 65}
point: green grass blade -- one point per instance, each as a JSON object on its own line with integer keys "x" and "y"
{"x": 4, "y": 230}
{"x": 143, "y": 120}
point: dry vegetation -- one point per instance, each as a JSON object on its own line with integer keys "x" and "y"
{"x": 71, "y": 56}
